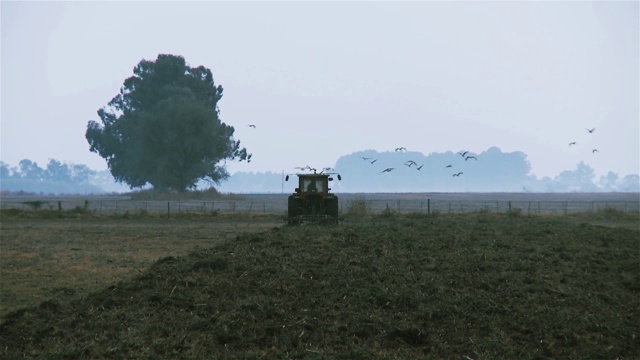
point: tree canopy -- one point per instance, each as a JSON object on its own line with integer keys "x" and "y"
{"x": 164, "y": 128}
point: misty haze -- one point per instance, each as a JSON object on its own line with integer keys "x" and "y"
{"x": 489, "y": 171}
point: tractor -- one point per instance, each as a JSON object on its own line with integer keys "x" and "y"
{"x": 312, "y": 200}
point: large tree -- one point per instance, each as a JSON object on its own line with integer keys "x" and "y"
{"x": 164, "y": 128}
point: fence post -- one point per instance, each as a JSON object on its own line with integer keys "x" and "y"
{"x": 497, "y": 206}
{"x": 529, "y": 209}
{"x": 250, "y": 206}
{"x": 168, "y": 209}
{"x": 428, "y": 206}
{"x": 264, "y": 208}
{"x": 509, "y": 205}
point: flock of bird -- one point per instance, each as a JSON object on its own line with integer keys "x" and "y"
{"x": 411, "y": 163}
{"x": 303, "y": 168}
{"x": 464, "y": 154}
{"x": 590, "y": 131}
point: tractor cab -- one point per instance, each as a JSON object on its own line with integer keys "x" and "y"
{"x": 312, "y": 199}
{"x": 313, "y": 183}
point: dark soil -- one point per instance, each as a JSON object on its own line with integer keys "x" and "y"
{"x": 393, "y": 287}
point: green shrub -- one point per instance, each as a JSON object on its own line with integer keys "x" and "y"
{"x": 515, "y": 212}
{"x": 35, "y": 205}
{"x": 611, "y": 212}
{"x": 387, "y": 213}
{"x": 358, "y": 207}
{"x": 484, "y": 210}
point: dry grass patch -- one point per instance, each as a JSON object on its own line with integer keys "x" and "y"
{"x": 38, "y": 256}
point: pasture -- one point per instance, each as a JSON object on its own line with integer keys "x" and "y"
{"x": 424, "y": 203}
{"x": 383, "y": 285}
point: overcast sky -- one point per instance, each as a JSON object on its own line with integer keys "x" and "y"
{"x": 325, "y": 79}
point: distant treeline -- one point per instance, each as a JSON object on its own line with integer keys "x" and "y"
{"x": 489, "y": 171}
{"x": 56, "y": 178}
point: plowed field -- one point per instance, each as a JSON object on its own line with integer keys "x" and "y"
{"x": 472, "y": 286}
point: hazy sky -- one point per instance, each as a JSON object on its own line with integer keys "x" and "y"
{"x": 325, "y": 79}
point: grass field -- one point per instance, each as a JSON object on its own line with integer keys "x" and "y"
{"x": 43, "y": 258}
{"x": 383, "y": 286}
{"x": 425, "y": 203}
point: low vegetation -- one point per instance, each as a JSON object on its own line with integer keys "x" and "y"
{"x": 207, "y": 194}
{"x": 358, "y": 207}
{"x": 388, "y": 286}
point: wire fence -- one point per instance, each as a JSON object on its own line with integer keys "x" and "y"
{"x": 499, "y": 206}
{"x": 373, "y": 204}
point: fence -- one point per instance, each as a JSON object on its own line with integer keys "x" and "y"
{"x": 374, "y": 203}
{"x": 498, "y": 206}
{"x": 132, "y": 206}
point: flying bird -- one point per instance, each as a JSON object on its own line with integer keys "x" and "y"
{"x": 470, "y": 157}
{"x": 458, "y": 174}
{"x": 595, "y": 151}
{"x": 410, "y": 162}
{"x": 591, "y": 130}
{"x": 252, "y": 126}
{"x": 572, "y": 143}
{"x": 387, "y": 170}
{"x": 365, "y": 158}
{"x": 463, "y": 153}
{"x": 401, "y": 149}
{"x": 449, "y": 165}
{"x": 420, "y": 167}
{"x": 374, "y": 160}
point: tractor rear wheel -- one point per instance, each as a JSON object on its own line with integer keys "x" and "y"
{"x": 293, "y": 209}
{"x": 332, "y": 207}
